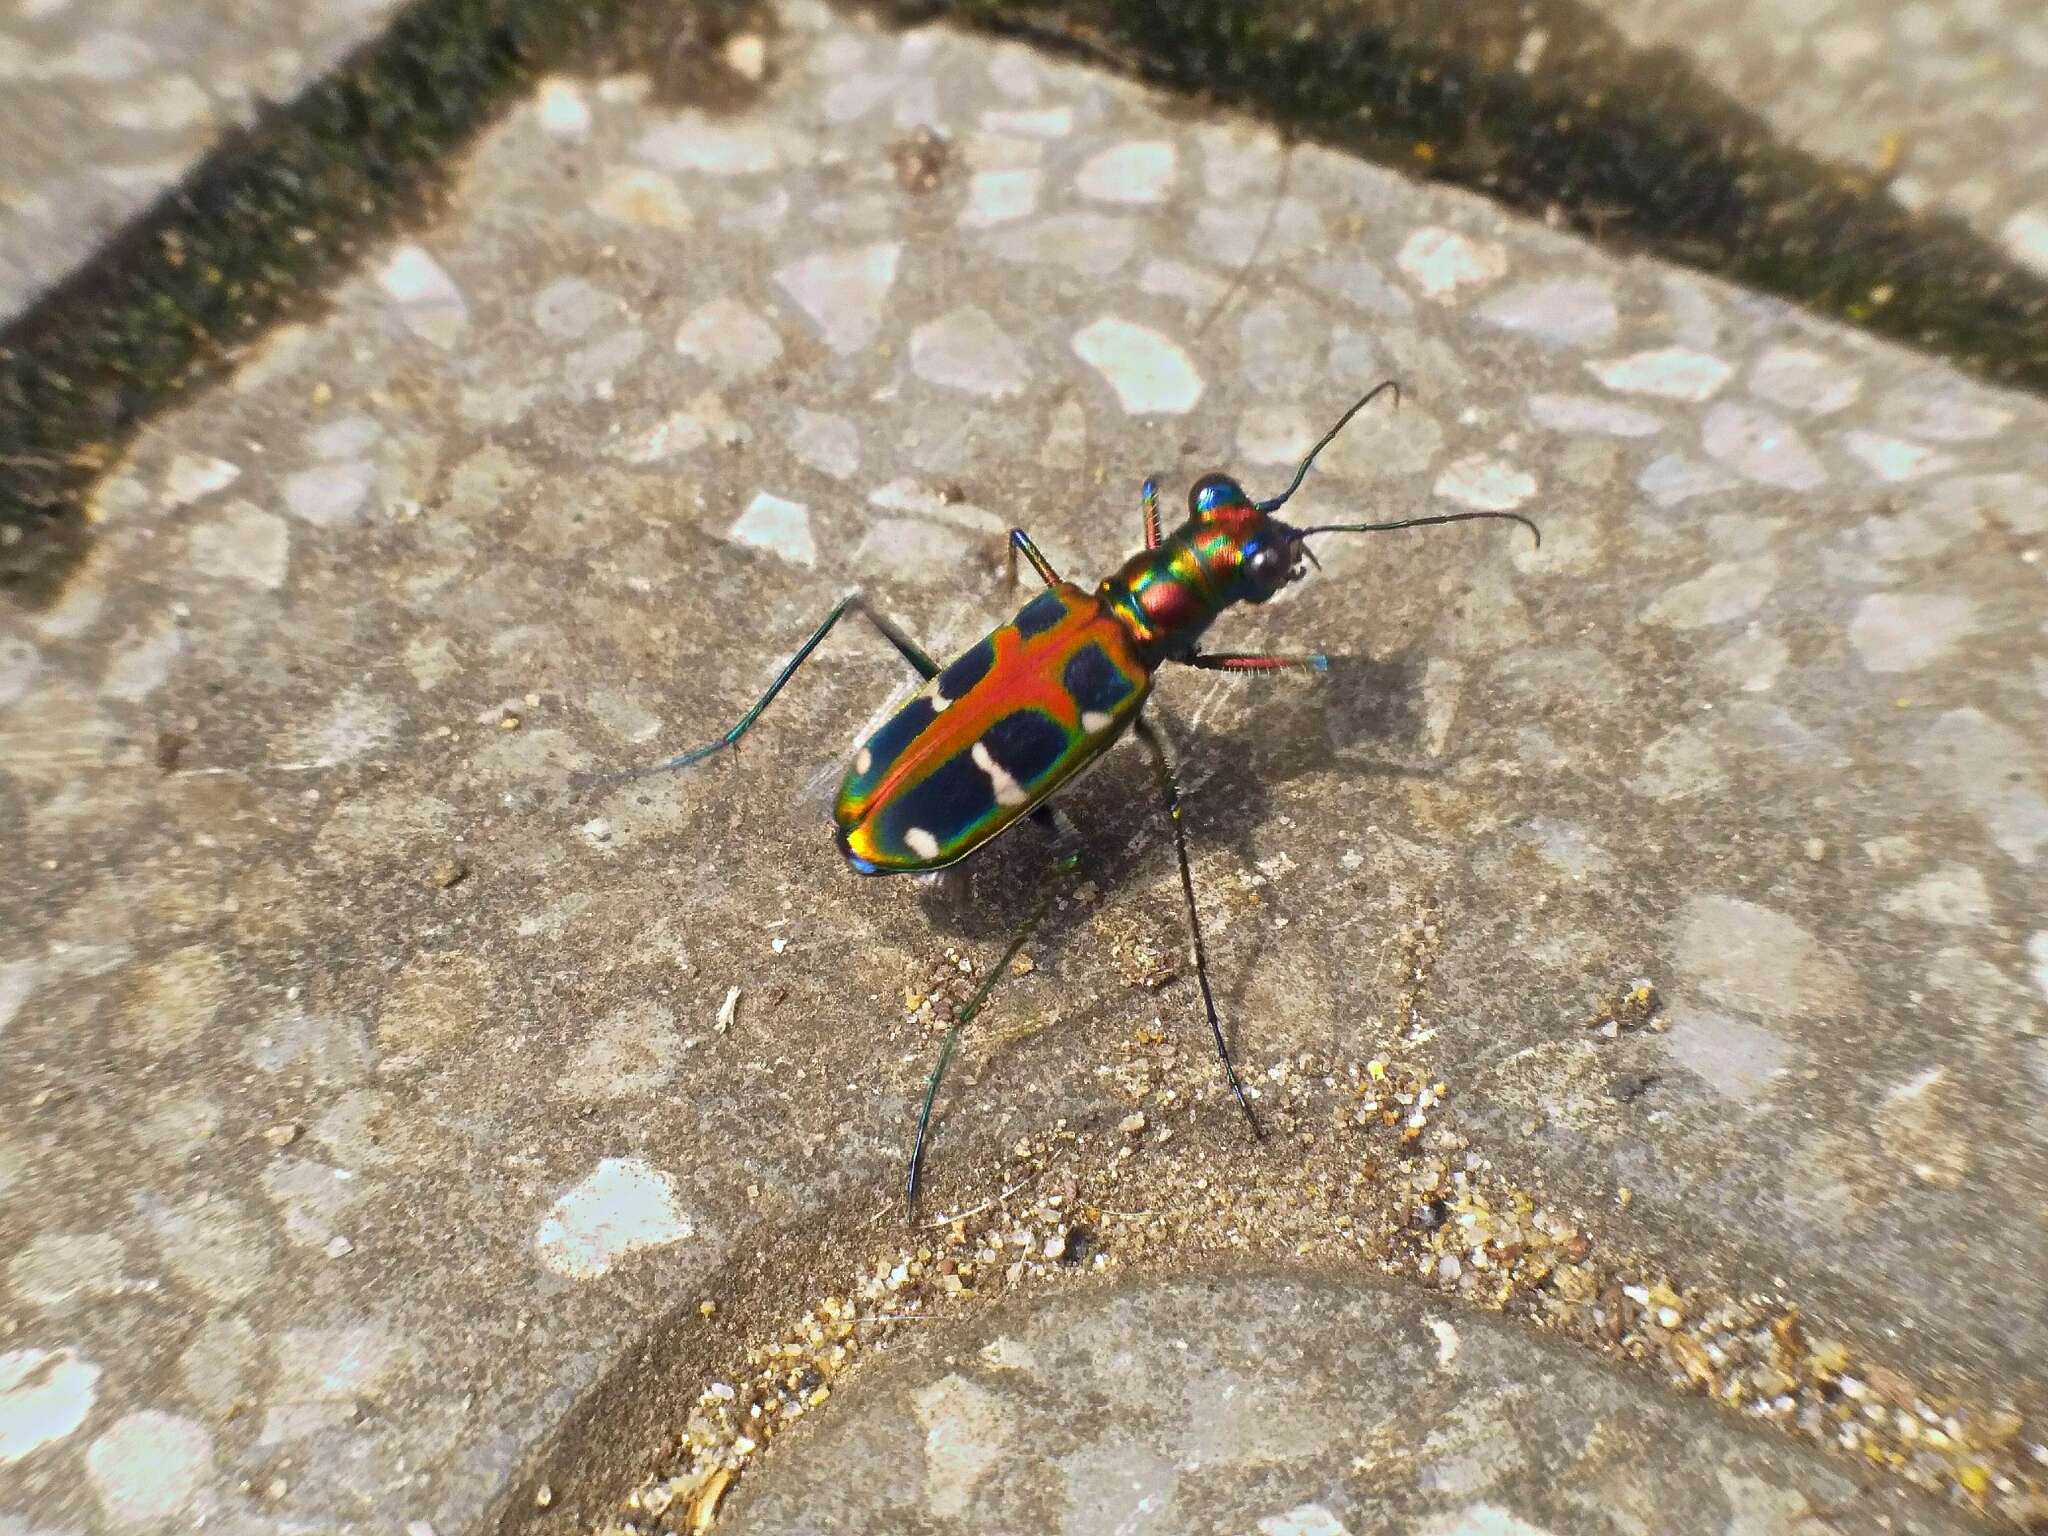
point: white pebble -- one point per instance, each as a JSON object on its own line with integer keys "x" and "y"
{"x": 1485, "y": 483}
{"x": 996, "y": 197}
{"x": 2026, "y": 236}
{"x": 624, "y": 1205}
{"x": 1803, "y": 380}
{"x": 965, "y": 349}
{"x": 1894, "y": 459}
{"x": 1444, "y": 263}
{"x": 1671, "y": 373}
{"x": 562, "y": 110}
{"x": 1586, "y": 413}
{"x": 1147, "y": 370}
{"x": 1140, "y": 172}
{"x": 843, "y": 292}
{"x": 778, "y": 526}
{"x": 1761, "y": 447}
{"x": 193, "y": 476}
{"x": 730, "y": 339}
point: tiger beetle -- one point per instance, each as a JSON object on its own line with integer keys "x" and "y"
{"x": 991, "y": 736}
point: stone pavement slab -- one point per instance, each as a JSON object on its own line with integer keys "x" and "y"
{"x": 1655, "y": 910}
{"x": 1285, "y": 1407}
{"x": 110, "y": 102}
{"x": 1942, "y": 101}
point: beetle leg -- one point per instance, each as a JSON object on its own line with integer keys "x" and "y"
{"x": 1170, "y": 786}
{"x": 1316, "y": 662}
{"x": 1020, "y": 543}
{"x": 1149, "y": 497}
{"x": 907, "y": 648}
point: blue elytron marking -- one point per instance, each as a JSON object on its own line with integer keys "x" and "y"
{"x": 970, "y": 669}
{"x": 1043, "y": 612}
{"x": 897, "y": 733}
{"x": 1094, "y": 682}
{"x": 947, "y": 804}
{"x": 1026, "y": 744}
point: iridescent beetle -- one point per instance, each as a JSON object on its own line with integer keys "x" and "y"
{"x": 990, "y": 737}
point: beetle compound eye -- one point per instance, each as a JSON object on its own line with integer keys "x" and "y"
{"x": 1268, "y": 565}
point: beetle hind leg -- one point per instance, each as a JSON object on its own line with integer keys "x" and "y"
{"x": 854, "y": 602}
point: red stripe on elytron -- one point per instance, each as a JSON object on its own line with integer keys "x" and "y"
{"x": 1026, "y": 675}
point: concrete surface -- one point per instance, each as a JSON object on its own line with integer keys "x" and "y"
{"x": 1942, "y": 100}
{"x": 110, "y": 102}
{"x": 1287, "y": 1408}
{"x": 379, "y": 1117}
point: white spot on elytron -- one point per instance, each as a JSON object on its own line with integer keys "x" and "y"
{"x": 940, "y": 703}
{"x": 1904, "y": 631}
{"x": 1140, "y": 172}
{"x": 965, "y": 349}
{"x": 1584, "y": 413}
{"x": 1803, "y": 380}
{"x": 2026, "y": 235}
{"x": 996, "y": 197}
{"x": 730, "y": 339}
{"x": 44, "y": 1395}
{"x": 149, "y": 1466}
{"x": 1094, "y": 721}
{"x": 1148, "y": 372}
{"x": 921, "y": 842}
{"x": 1442, "y": 262}
{"x": 1895, "y": 459}
{"x": 623, "y": 1206}
{"x": 562, "y": 110}
{"x": 843, "y": 292}
{"x": 863, "y": 760}
{"x": 1672, "y": 373}
{"x": 778, "y": 526}
{"x": 1008, "y": 791}
{"x": 1037, "y": 123}
{"x": 1760, "y": 447}
{"x": 1485, "y": 483}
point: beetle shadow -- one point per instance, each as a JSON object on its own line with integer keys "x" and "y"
{"x": 1362, "y": 718}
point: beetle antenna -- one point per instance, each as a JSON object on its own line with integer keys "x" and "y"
{"x": 1301, "y": 470}
{"x": 1426, "y": 522}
